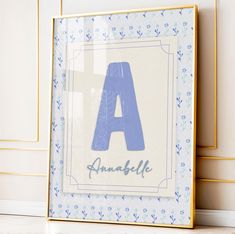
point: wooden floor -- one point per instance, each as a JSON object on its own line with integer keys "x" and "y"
{"x": 35, "y": 225}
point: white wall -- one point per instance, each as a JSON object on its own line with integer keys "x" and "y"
{"x": 25, "y": 46}
{"x": 25, "y": 97}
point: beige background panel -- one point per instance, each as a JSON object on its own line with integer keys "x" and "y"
{"x": 216, "y": 169}
{"x": 24, "y": 161}
{"x": 215, "y": 196}
{"x": 226, "y": 82}
{"x": 206, "y": 121}
{"x": 23, "y": 188}
{"x": 19, "y": 74}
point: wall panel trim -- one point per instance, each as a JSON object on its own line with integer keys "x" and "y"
{"x": 37, "y": 84}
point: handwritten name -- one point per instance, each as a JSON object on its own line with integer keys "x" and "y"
{"x": 96, "y": 167}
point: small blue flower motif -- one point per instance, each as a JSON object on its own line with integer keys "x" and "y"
{"x": 101, "y": 215}
{"x": 180, "y": 55}
{"x": 127, "y": 16}
{"x": 60, "y": 61}
{"x": 52, "y": 212}
{"x": 172, "y": 219}
{"x": 56, "y": 190}
{"x": 57, "y": 146}
{"x": 109, "y": 208}
{"x": 187, "y": 188}
{"x": 123, "y": 197}
{"x": 105, "y": 36}
{"x": 110, "y": 17}
{"x": 141, "y": 198}
{"x": 63, "y": 75}
{"x": 185, "y": 23}
{"x": 76, "y": 207}
{"x": 54, "y": 125}
{"x": 184, "y": 70}
{"x": 144, "y": 210}
{"x": 183, "y": 117}
{"x": 56, "y": 40}
{"x": 163, "y": 211}
{"x": 162, "y": 13}
{"x": 122, "y": 34}
{"x": 139, "y": 33}
{"x": 182, "y": 212}
{"x": 176, "y": 31}
{"x": 92, "y": 207}
{"x": 127, "y": 209}
{"x": 181, "y": 11}
{"x": 59, "y": 103}
{"x": 84, "y": 214}
{"x": 53, "y": 169}
{"x": 60, "y": 206}
{"x": 88, "y": 37}
{"x": 92, "y": 19}
{"x": 188, "y": 94}
{"x": 118, "y": 216}
{"x": 113, "y": 29}
{"x": 182, "y": 164}
{"x": 188, "y": 141}
{"x": 154, "y": 218}
{"x": 178, "y": 149}
{"x": 130, "y": 27}
{"x": 157, "y": 32}
{"x": 148, "y": 26}
{"x": 177, "y": 196}
{"x": 136, "y": 217}
{"x": 55, "y": 83}
{"x": 72, "y": 38}
{"x": 166, "y": 25}
{"x": 144, "y": 14}
{"x": 189, "y": 47}
{"x": 179, "y": 101}
{"x": 62, "y": 120}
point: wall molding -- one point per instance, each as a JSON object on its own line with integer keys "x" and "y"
{"x": 28, "y": 208}
{"x": 215, "y": 218}
{"x": 33, "y": 208}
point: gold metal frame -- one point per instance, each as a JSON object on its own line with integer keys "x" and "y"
{"x": 192, "y": 199}
{"x": 214, "y": 146}
{"x": 38, "y": 84}
{"x": 61, "y": 7}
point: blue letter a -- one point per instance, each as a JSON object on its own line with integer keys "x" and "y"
{"x": 118, "y": 81}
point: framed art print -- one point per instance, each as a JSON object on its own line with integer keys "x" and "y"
{"x": 123, "y": 117}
